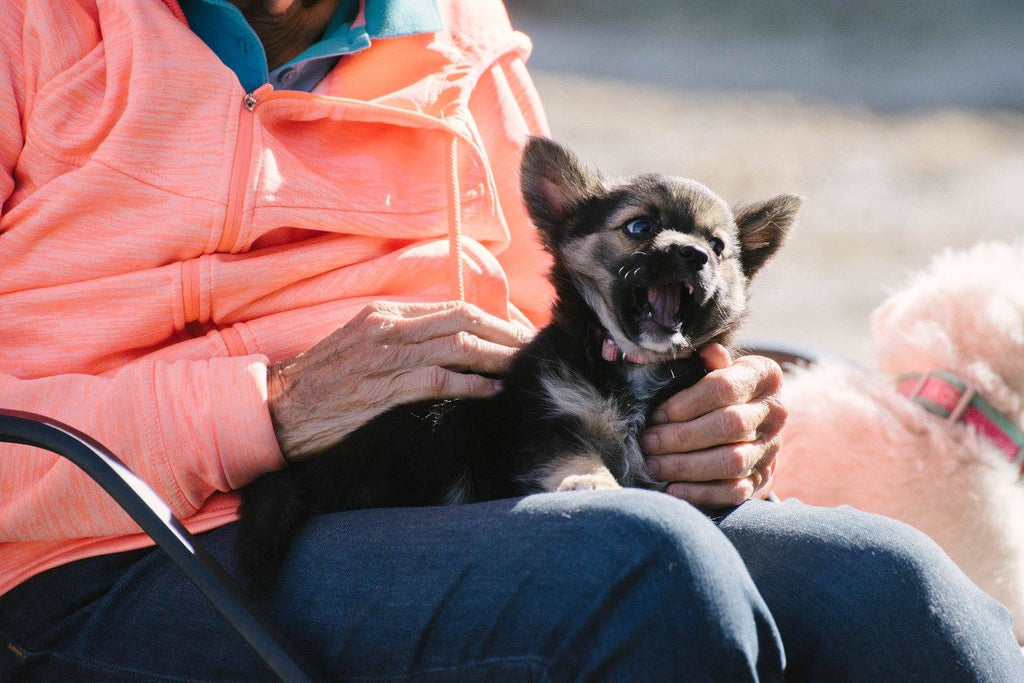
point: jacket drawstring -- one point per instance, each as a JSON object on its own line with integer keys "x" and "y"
{"x": 455, "y": 221}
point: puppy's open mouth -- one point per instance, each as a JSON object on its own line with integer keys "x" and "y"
{"x": 667, "y": 306}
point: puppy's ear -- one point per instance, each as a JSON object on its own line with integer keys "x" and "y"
{"x": 764, "y": 227}
{"x": 553, "y": 182}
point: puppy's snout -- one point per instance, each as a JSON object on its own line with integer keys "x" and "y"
{"x": 690, "y": 256}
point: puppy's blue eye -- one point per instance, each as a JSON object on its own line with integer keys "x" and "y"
{"x": 639, "y": 228}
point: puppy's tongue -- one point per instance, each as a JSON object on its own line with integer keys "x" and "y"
{"x": 664, "y": 301}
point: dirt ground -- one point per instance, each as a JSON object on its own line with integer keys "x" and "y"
{"x": 882, "y": 192}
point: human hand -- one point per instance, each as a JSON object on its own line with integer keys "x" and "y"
{"x": 389, "y": 353}
{"x": 716, "y": 442}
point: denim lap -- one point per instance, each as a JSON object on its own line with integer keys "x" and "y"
{"x": 624, "y": 585}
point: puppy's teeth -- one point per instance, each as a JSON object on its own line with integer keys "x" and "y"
{"x": 610, "y": 350}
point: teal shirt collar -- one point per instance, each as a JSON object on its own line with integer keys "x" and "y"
{"x": 355, "y": 23}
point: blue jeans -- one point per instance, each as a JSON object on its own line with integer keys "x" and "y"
{"x": 621, "y": 586}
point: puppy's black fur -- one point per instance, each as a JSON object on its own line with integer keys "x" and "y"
{"x": 645, "y": 271}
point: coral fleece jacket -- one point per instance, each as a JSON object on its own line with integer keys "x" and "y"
{"x": 164, "y": 235}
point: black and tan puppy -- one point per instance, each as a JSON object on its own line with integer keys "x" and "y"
{"x": 645, "y": 272}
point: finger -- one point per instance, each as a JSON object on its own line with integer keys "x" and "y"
{"x": 461, "y": 318}
{"x": 736, "y": 461}
{"x": 715, "y": 356}
{"x": 409, "y": 309}
{"x": 724, "y": 462}
{"x": 435, "y": 382}
{"x": 384, "y": 314}
{"x": 377, "y": 321}
{"x": 714, "y": 494}
{"x": 749, "y": 377}
{"x": 461, "y": 351}
{"x": 734, "y": 424}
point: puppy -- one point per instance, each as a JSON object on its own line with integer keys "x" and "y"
{"x": 645, "y": 272}
{"x": 855, "y": 436}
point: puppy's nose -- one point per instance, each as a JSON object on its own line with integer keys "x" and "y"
{"x": 692, "y": 256}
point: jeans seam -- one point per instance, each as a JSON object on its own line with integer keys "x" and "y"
{"x": 91, "y": 664}
{"x": 13, "y": 646}
{"x": 535, "y": 662}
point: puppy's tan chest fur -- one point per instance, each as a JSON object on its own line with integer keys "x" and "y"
{"x": 608, "y": 433}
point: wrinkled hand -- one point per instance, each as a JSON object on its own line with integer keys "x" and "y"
{"x": 389, "y": 353}
{"x": 716, "y": 442}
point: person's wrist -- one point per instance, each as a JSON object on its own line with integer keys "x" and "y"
{"x": 276, "y": 390}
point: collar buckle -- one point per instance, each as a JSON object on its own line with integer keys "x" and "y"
{"x": 969, "y": 392}
{"x": 942, "y": 394}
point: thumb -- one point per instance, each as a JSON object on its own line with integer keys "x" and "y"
{"x": 467, "y": 385}
{"x": 437, "y": 382}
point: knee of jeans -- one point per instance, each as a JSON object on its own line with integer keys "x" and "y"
{"x": 665, "y": 582}
{"x": 650, "y": 537}
{"x": 889, "y": 572}
{"x": 885, "y": 555}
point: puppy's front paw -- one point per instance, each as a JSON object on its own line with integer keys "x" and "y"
{"x": 600, "y": 481}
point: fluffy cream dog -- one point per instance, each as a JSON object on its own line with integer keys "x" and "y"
{"x": 853, "y": 438}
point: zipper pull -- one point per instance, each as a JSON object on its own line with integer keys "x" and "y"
{"x": 250, "y": 101}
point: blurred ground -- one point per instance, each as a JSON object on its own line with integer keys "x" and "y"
{"x": 889, "y": 56}
{"x": 888, "y": 181}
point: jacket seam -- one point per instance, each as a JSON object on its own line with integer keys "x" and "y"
{"x": 148, "y": 183}
{"x": 78, "y": 162}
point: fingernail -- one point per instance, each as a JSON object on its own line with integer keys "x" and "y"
{"x": 651, "y": 441}
{"x": 526, "y": 333}
{"x": 498, "y": 385}
{"x": 660, "y": 417}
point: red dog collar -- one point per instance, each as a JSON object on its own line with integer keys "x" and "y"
{"x": 956, "y": 400}
{"x": 611, "y": 352}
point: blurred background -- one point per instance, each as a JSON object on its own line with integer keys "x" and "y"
{"x": 900, "y": 122}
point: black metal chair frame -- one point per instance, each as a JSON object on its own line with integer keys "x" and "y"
{"x": 156, "y": 519}
{"x": 786, "y": 355}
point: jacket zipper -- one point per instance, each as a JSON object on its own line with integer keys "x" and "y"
{"x": 191, "y": 279}
{"x": 239, "y": 173}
